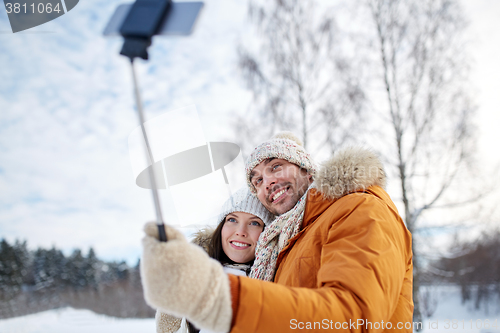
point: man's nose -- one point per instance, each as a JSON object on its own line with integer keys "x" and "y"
{"x": 269, "y": 181}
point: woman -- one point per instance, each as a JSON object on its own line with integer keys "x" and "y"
{"x": 232, "y": 243}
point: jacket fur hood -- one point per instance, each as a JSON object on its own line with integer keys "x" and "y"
{"x": 203, "y": 237}
{"x": 350, "y": 170}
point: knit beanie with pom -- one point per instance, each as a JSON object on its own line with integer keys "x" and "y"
{"x": 243, "y": 201}
{"x": 284, "y": 145}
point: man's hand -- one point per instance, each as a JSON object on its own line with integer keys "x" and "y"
{"x": 180, "y": 279}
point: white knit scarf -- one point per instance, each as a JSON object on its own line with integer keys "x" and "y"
{"x": 274, "y": 238}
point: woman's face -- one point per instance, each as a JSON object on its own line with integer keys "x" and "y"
{"x": 239, "y": 235}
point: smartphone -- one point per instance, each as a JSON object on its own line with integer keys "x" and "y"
{"x": 179, "y": 20}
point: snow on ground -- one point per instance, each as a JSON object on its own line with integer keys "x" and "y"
{"x": 69, "y": 320}
{"x": 450, "y": 315}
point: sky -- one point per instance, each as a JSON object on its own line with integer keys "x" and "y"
{"x": 484, "y": 33}
{"x": 67, "y": 109}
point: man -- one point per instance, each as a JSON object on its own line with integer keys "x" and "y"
{"x": 338, "y": 253}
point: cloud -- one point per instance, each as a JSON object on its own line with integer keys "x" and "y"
{"x": 67, "y": 111}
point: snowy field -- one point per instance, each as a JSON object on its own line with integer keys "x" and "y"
{"x": 448, "y": 308}
{"x": 451, "y": 316}
{"x": 68, "y": 320}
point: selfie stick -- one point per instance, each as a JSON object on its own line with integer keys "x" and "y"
{"x": 151, "y": 170}
{"x": 138, "y": 23}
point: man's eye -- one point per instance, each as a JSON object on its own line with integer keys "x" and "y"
{"x": 276, "y": 166}
{"x": 257, "y": 181}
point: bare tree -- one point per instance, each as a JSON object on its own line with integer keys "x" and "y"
{"x": 425, "y": 104}
{"x": 300, "y": 77}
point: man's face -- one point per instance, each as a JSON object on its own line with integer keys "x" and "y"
{"x": 279, "y": 184}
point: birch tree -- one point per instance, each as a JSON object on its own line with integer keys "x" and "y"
{"x": 424, "y": 103}
{"x": 300, "y": 76}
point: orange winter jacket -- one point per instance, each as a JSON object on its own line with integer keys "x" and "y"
{"x": 349, "y": 269}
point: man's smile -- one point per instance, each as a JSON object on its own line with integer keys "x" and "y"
{"x": 279, "y": 194}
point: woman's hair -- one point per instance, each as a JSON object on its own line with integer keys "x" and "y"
{"x": 215, "y": 246}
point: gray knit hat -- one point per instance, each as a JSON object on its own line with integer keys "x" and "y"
{"x": 243, "y": 201}
{"x": 284, "y": 145}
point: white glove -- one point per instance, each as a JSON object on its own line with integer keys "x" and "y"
{"x": 180, "y": 279}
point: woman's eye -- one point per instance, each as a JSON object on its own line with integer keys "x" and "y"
{"x": 231, "y": 219}
{"x": 255, "y": 223}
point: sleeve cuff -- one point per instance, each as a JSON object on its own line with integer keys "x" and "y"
{"x": 234, "y": 286}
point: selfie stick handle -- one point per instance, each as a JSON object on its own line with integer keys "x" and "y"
{"x": 152, "y": 177}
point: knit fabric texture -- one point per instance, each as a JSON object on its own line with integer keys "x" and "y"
{"x": 243, "y": 201}
{"x": 283, "y": 146}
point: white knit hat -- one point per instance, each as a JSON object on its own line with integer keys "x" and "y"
{"x": 284, "y": 145}
{"x": 243, "y": 201}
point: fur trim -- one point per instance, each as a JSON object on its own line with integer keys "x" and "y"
{"x": 203, "y": 237}
{"x": 350, "y": 170}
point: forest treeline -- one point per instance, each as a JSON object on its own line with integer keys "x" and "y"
{"x": 37, "y": 280}
{"x": 474, "y": 266}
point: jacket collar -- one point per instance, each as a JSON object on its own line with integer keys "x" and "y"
{"x": 351, "y": 170}
{"x": 316, "y": 204}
